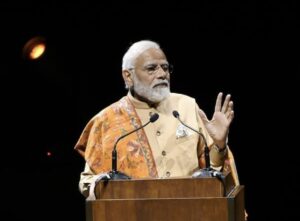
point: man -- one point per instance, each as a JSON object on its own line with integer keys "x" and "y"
{"x": 165, "y": 148}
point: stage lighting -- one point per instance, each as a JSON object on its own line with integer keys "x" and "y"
{"x": 34, "y": 48}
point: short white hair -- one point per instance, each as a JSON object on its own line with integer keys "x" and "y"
{"x": 135, "y": 50}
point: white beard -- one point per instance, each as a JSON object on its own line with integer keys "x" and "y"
{"x": 156, "y": 94}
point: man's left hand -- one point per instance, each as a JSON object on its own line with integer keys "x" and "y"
{"x": 218, "y": 126}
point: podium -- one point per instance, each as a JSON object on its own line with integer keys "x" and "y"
{"x": 171, "y": 199}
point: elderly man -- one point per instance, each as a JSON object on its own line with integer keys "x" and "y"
{"x": 165, "y": 148}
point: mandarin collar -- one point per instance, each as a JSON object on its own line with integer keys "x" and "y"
{"x": 137, "y": 103}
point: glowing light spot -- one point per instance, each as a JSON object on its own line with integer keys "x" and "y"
{"x": 37, "y": 51}
{"x": 34, "y": 48}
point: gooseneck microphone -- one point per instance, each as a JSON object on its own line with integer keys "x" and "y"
{"x": 114, "y": 173}
{"x": 206, "y": 149}
{"x": 207, "y": 171}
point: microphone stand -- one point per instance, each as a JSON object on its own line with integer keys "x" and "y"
{"x": 207, "y": 171}
{"x": 114, "y": 173}
{"x": 203, "y": 172}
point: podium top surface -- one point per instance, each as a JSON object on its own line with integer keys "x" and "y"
{"x": 172, "y": 187}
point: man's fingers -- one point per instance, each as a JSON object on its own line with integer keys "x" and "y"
{"x": 202, "y": 115}
{"x": 218, "y": 102}
{"x": 225, "y": 104}
{"x": 230, "y": 108}
{"x": 230, "y": 116}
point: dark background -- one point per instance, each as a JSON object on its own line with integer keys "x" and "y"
{"x": 246, "y": 48}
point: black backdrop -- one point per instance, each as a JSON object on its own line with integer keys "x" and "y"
{"x": 247, "y": 49}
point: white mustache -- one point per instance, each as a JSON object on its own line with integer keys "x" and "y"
{"x": 157, "y": 82}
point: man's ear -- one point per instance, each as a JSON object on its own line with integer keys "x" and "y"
{"x": 127, "y": 76}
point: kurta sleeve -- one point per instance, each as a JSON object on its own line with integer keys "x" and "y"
{"x": 86, "y": 178}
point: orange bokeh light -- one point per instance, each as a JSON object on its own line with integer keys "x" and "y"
{"x": 34, "y": 48}
{"x": 37, "y": 51}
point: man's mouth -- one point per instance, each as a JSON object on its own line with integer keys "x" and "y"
{"x": 162, "y": 84}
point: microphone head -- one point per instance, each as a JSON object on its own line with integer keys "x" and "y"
{"x": 175, "y": 114}
{"x": 154, "y": 117}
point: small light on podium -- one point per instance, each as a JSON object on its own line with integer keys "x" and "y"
{"x": 34, "y": 48}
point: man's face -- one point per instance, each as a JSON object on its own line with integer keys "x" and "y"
{"x": 151, "y": 78}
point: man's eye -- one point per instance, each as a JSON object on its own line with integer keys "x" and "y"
{"x": 151, "y": 68}
{"x": 165, "y": 67}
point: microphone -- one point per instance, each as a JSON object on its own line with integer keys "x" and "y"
{"x": 206, "y": 171}
{"x": 114, "y": 174}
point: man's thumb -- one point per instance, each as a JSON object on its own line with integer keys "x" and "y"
{"x": 202, "y": 115}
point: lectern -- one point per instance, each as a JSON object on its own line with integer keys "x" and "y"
{"x": 172, "y": 199}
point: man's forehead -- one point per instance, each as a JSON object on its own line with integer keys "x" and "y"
{"x": 151, "y": 55}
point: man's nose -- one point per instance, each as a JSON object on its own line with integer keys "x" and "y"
{"x": 161, "y": 73}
